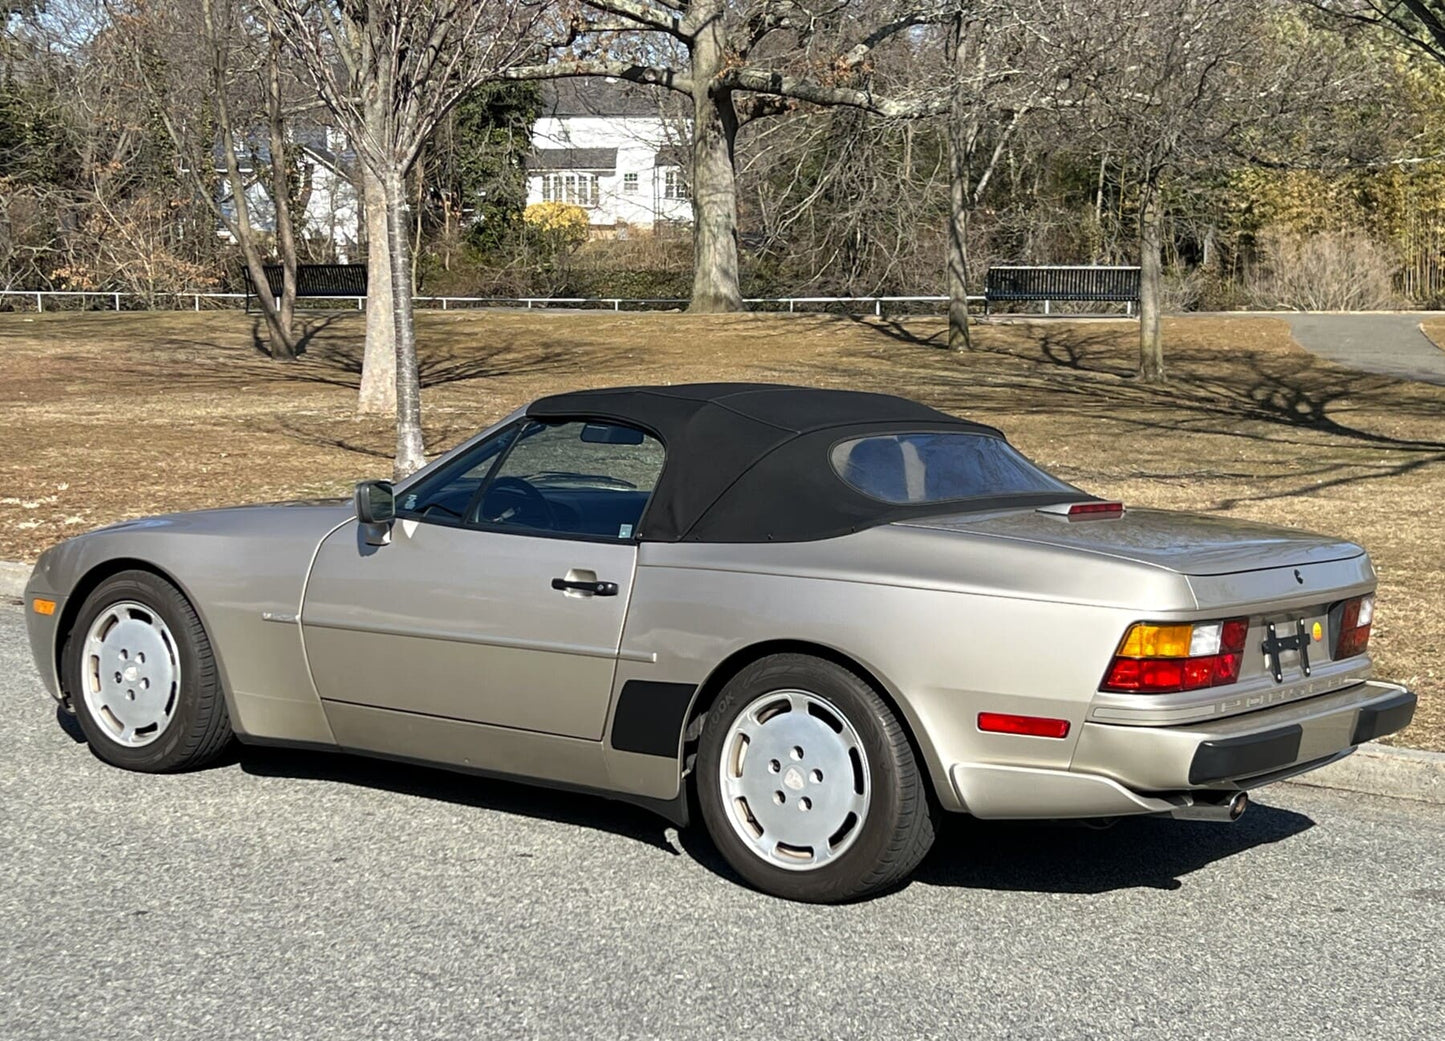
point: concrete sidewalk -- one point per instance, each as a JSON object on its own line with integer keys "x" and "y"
{"x": 1388, "y": 343}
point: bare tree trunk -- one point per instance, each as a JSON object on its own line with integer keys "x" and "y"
{"x": 378, "y": 362}
{"x": 1151, "y": 270}
{"x": 281, "y": 200}
{"x": 715, "y": 285}
{"x": 410, "y": 449}
{"x": 960, "y": 337}
{"x": 960, "y": 197}
{"x": 280, "y": 332}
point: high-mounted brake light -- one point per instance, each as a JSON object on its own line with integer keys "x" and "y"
{"x": 1353, "y": 635}
{"x": 1084, "y": 510}
{"x": 1162, "y": 659}
{"x": 1088, "y": 509}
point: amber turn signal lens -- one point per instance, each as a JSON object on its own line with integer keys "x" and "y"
{"x": 1157, "y": 641}
{"x": 1163, "y": 659}
{"x": 43, "y": 606}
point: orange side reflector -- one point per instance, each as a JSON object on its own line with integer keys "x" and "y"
{"x": 43, "y": 606}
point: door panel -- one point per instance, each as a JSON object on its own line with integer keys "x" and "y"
{"x": 465, "y": 624}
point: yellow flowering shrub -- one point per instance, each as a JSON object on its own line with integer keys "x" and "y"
{"x": 567, "y": 223}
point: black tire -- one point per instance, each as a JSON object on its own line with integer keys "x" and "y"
{"x": 898, "y": 828}
{"x": 199, "y": 728}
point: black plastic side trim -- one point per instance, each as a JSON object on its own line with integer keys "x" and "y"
{"x": 649, "y": 717}
{"x": 1385, "y": 718}
{"x": 1244, "y": 756}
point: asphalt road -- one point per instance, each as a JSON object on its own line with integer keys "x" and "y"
{"x": 1384, "y": 342}
{"x": 285, "y": 895}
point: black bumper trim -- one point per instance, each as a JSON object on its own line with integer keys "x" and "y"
{"x": 1385, "y": 718}
{"x": 1245, "y": 756}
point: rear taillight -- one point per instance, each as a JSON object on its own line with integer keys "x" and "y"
{"x": 1353, "y": 635}
{"x": 1160, "y": 659}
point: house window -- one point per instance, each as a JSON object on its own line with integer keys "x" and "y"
{"x": 673, "y": 186}
{"x": 629, "y": 182}
{"x": 579, "y": 189}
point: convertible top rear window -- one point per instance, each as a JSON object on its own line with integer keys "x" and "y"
{"x": 938, "y": 467}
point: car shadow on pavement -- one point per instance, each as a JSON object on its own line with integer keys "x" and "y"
{"x": 1139, "y": 852}
{"x": 481, "y": 792}
{"x": 1022, "y": 856}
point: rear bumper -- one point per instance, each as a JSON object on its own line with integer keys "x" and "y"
{"x": 1120, "y": 770}
{"x": 1233, "y": 751}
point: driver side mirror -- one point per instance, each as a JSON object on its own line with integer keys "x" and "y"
{"x": 375, "y": 502}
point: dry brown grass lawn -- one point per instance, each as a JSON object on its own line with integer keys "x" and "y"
{"x": 1434, "y": 329}
{"x": 112, "y": 416}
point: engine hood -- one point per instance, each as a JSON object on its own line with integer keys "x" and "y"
{"x": 291, "y": 517}
{"x": 1186, "y": 543}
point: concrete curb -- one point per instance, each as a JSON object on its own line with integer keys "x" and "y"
{"x": 1398, "y": 773}
{"x": 13, "y": 577}
{"x": 1432, "y": 339}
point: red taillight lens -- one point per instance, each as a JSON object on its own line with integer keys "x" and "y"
{"x": 1162, "y": 659}
{"x": 1030, "y": 726}
{"x": 1354, "y": 633}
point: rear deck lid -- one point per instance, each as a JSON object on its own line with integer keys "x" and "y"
{"x": 1186, "y": 543}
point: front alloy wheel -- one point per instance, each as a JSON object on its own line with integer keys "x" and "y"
{"x": 808, "y": 784}
{"x": 130, "y": 673}
{"x": 139, "y": 669}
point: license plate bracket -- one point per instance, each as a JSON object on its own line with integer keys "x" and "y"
{"x": 1273, "y": 643}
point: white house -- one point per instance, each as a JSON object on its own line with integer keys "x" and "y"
{"x": 329, "y": 216}
{"x": 610, "y": 147}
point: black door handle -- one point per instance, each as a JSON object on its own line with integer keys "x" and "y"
{"x": 596, "y": 588}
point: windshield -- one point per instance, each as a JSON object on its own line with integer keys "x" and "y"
{"x": 937, "y": 467}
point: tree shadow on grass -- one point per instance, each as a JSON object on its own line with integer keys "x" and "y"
{"x": 334, "y": 355}
{"x": 1293, "y": 399}
{"x": 311, "y": 328}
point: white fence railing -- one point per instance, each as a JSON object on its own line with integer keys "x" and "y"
{"x": 192, "y": 301}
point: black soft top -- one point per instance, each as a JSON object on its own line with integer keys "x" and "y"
{"x": 748, "y": 462}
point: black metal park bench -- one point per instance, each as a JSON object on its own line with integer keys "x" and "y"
{"x": 316, "y": 281}
{"x": 1051, "y": 284}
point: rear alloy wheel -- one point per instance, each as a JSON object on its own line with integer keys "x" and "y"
{"x": 808, "y": 784}
{"x": 141, "y": 676}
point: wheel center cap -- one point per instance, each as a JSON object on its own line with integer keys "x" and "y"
{"x": 794, "y": 779}
{"x": 131, "y": 673}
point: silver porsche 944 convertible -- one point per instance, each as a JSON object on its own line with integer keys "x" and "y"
{"x": 817, "y": 618}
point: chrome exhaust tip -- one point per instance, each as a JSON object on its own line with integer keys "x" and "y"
{"x": 1225, "y": 811}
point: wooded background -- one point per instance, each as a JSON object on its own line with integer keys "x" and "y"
{"x": 1274, "y": 154}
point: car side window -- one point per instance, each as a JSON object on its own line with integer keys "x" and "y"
{"x": 445, "y": 495}
{"x": 588, "y": 479}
